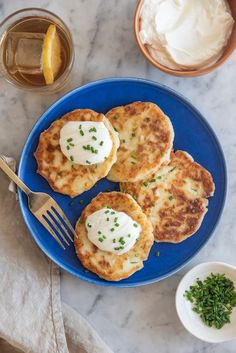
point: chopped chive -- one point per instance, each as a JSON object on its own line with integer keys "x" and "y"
{"x": 99, "y": 232}
{"x": 159, "y": 177}
{"x": 107, "y": 212}
{"x": 71, "y": 145}
{"x": 71, "y": 203}
{"x": 133, "y": 262}
{"x": 70, "y": 139}
{"x": 72, "y": 158}
{"x": 112, "y": 229}
{"x": 94, "y": 138}
{"x": 100, "y": 239}
{"x": 171, "y": 198}
{"x": 88, "y": 163}
{"x": 133, "y": 156}
{"x": 81, "y": 202}
{"x": 123, "y": 140}
{"x": 132, "y": 162}
{"x": 145, "y": 183}
{"x": 109, "y": 207}
{"x": 80, "y": 127}
{"x": 81, "y": 133}
{"x": 108, "y": 190}
{"x": 129, "y": 235}
{"x": 135, "y": 225}
{"x": 116, "y": 219}
{"x": 81, "y": 221}
{"x": 152, "y": 181}
{"x": 117, "y": 225}
{"x": 93, "y": 129}
{"x": 134, "y": 197}
{"x": 89, "y": 225}
{"x": 68, "y": 147}
{"x": 101, "y": 143}
{"x": 157, "y": 253}
{"x": 105, "y": 158}
{"x": 133, "y": 134}
{"x": 104, "y": 237}
{"x": 194, "y": 189}
{"x": 114, "y": 240}
{"x": 116, "y": 129}
{"x": 172, "y": 170}
{"x": 108, "y": 219}
{"x": 113, "y": 212}
{"x": 153, "y": 204}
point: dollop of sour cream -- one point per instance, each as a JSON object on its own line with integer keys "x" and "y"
{"x": 187, "y": 34}
{"x": 112, "y": 231}
{"x": 85, "y": 142}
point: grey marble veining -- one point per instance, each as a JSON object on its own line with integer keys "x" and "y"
{"x": 144, "y": 319}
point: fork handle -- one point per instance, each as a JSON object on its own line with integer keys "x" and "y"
{"x": 9, "y": 172}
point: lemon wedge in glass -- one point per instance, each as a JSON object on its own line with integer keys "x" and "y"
{"x": 51, "y": 55}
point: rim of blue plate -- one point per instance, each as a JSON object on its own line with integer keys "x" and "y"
{"x": 177, "y": 96}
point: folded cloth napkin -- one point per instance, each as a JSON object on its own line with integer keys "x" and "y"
{"x": 32, "y": 318}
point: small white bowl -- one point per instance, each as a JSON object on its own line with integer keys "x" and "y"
{"x": 191, "y": 320}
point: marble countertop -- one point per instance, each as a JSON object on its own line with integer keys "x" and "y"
{"x": 141, "y": 319}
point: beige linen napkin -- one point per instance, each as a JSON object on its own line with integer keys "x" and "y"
{"x": 31, "y": 317}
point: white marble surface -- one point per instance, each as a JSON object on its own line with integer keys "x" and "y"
{"x": 142, "y": 319}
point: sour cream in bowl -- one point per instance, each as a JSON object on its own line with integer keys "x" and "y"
{"x": 186, "y": 37}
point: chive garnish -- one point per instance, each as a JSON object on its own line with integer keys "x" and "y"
{"x": 101, "y": 143}
{"x": 68, "y": 147}
{"x": 70, "y": 139}
{"x": 99, "y": 232}
{"x": 100, "y": 239}
{"x": 145, "y": 183}
{"x": 112, "y": 229}
{"x": 107, "y": 212}
{"x": 114, "y": 240}
{"x": 171, "y": 198}
{"x": 159, "y": 177}
{"x": 81, "y": 202}
{"x": 123, "y": 140}
{"x": 89, "y": 225}
{"x": 108, "y": 219}
{"x": 152, "y": 181}
{"x": 116, "y": 129}
{"x": 132, "y": 162}
{"x": 81, "y": 132}
{"x": 135, "y": 225}
{"x": 94, "y": 138}
{"x": 133, "y": 134}
{"x": 157, "y": 253}
{"x": 117, "y": 225}
{"x": 93, "y": 129}
{"x": 72, "y": 158}
{"x": 88, "y": 163}
{"x": 71, "y": 203}
{"x": 213, "y": 299}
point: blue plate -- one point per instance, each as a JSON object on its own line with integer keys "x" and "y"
{"x": 192, "y": 134}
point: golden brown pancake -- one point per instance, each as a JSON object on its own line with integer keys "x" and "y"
{"x": 105, "y": 264}
{"x": 174, "y": 198}
{"x": 63, "y": 175}
{"x": 146, "y": 138}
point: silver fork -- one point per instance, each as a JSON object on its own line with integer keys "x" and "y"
{"x": 44, "y": 208}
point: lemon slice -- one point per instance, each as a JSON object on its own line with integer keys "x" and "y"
{"x": 51, "y": 54}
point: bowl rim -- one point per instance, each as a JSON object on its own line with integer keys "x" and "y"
{"x": 182, "y": 73}
{"x": 178, "y": 293}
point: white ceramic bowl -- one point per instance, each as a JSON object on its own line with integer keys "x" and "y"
{"x": 191, "y": 320}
